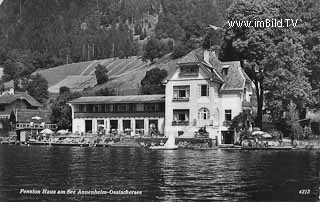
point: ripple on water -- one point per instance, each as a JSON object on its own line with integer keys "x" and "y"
{"x": 180, "y": 175}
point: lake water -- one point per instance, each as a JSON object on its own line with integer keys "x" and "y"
{"x": 181, "y": 175}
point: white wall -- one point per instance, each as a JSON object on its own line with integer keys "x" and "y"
{"x": 217, "y": 103}
{"x": 78, "y": 125}
{"x": 196, "y": 101}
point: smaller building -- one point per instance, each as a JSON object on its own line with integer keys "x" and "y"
{"x": 11, "y": 102}
{"x": 134, "y": 114}
{"x": 30, "y": 122}
{"x": 21, "y": 112}
{"x": 34, "y": 119}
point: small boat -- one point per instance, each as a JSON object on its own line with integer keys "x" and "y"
{"x": 163, "y": 147}
{"x": 169, "y": 145}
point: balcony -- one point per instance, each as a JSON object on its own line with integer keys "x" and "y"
{"x": 180, "y": 99}
{"x": 4, "y": 116}
{"x": 180, "y": 123}
{"x": 35, "y": 126}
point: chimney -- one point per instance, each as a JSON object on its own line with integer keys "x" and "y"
{"x": 206, "y": 56}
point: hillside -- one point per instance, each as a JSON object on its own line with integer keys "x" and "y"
{"x": 124, "y": 74}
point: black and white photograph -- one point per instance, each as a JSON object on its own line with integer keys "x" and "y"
{"x": 159, "y": 100}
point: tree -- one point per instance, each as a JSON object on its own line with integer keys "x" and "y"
{"x": 12, "y": 120}
{"x": 101, "y": 73}
{"x": 61, "y": 111}
{"x": 64, "y": 89}
{"x": 268, "y": 54}
{"x": 182, "y": 48}
{"x": 286, "y": 79}
{"x": 212, "y": 38}
{"x": 152, "y": 49}
{"x": 37, "y": 87}
{"x": 152, "y": 82}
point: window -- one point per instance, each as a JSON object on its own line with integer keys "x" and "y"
{"x": 122, "y": 108}
{"x": 180, "y": 117}
{"x": 228, "y": 114}
{"x": 204, "y": 90}
{"x": 204, "y": 114}
{"x": 225, "y": 70}
{"x": 150, "y": 107}
{"x": 89, "y": 108}
{"x": 101, "y": 108}
{"x": 181, "y": 92}
{"x": 95, "y": 108}
{"x": 81, "y": 108}
{"x": 110, "y": 108}
{"x": 2, "y": 107}
{"x": 189, "y": 70}
{"x": 140, "y": 107}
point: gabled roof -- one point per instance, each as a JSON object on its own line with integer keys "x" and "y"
{"x": 233, "y": 81}
{"x": 25, "y": 115}
{"x": 7, "y": 99}
{"x": 189, "y": 58}
{"x": 119, "y": 99}
{"x": 196, "y": 57}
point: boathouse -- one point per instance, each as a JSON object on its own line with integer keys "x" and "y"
{"x": 10, "y": 102}
{"x": 134, "y": 114}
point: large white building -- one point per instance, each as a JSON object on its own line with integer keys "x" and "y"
{"x": 200, "y": 92}
{"x": 204, "y": 92}
{"x": 134, "y": 114}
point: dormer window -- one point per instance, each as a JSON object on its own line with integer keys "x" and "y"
{"x": 189, "y": 70}
{"x": 225, "y": 70}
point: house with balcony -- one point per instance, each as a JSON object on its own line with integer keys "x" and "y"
{"x": 203, "y": 92}
{"x": 134, "y": 114}
{"x": 21, "y": 112}
{"x": 11, "y": 101}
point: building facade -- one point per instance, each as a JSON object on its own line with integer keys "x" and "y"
{"x": 205, "y": 93}
{"x": 201, "y": 93}
{"x": 135, "y": 114}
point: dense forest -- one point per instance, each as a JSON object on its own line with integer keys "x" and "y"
{"x": 43, "y": 34}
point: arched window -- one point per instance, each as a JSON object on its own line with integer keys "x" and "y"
{"x": 204, "y": 114}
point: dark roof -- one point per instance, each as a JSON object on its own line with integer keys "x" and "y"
{"x": 25, "y": 115}
{"x": 189, "y": 58}
{"x": 196, "y": 57}
{"x": 235, "y": 78}
{"x": 7, "y": 99}
{"x": 119, "y": 99}
{"x": 233, "y": 81}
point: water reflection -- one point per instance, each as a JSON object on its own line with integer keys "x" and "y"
{"x": 182, "y": 175}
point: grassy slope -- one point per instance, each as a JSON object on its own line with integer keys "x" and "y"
{"x": 125, "y": 74}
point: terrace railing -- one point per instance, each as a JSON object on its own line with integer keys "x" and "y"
{"x": 35, "y": 126}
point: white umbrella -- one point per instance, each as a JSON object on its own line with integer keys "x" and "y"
{"x": 266, "y": 135}
{"x": 258, "y": 133}
{"x": 36, "y": 118}
{"x": 62, "y": 131}
{"x": 46, "y": 131}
